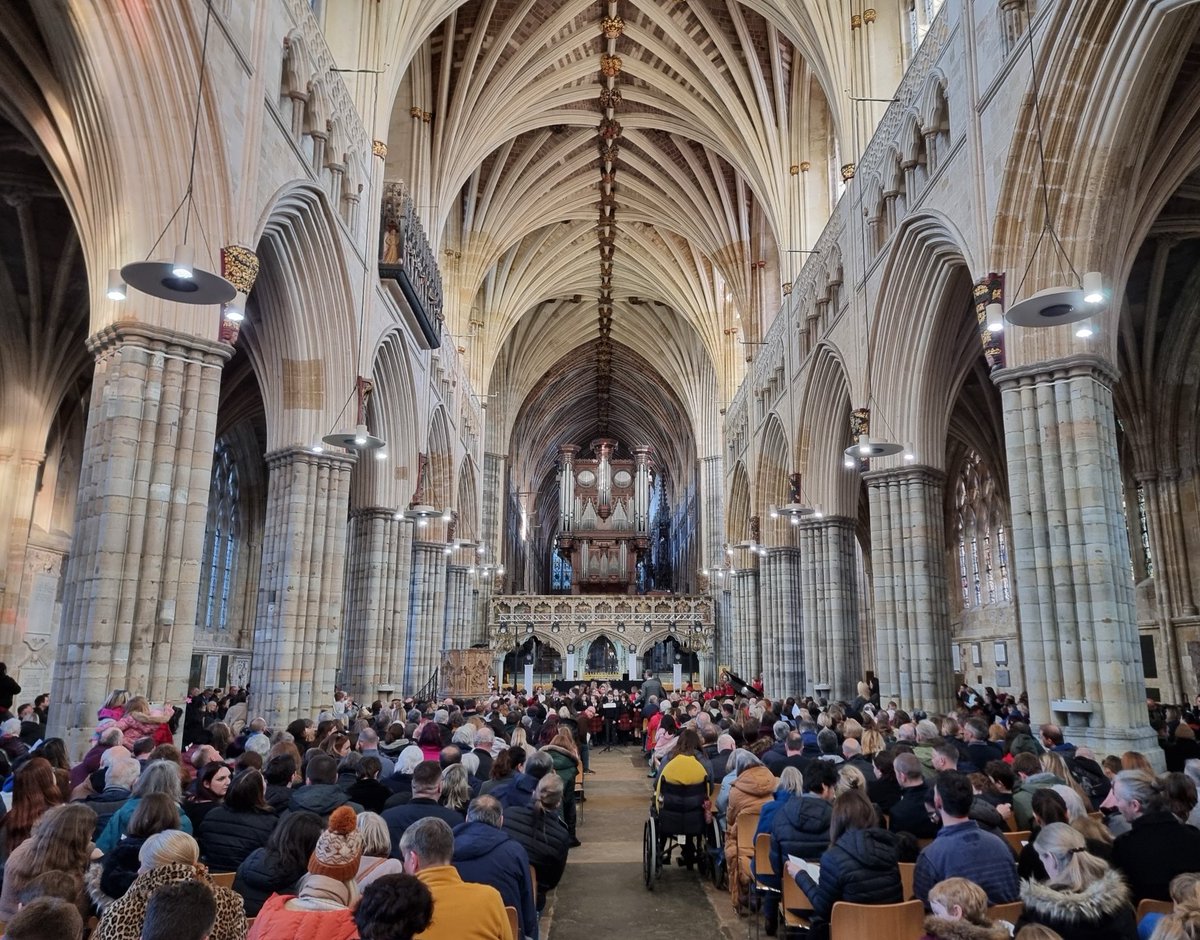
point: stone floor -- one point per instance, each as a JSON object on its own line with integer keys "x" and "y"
{"x": 603, "y": 886}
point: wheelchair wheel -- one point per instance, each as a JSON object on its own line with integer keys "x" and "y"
{"x": 649, "y": 854}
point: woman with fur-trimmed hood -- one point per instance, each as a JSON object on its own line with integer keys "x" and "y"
{"x": 1083, "y": 898}
{"x": 960, "y": 913}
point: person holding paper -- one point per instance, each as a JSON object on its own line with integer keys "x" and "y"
{"x": 861, "y": 866}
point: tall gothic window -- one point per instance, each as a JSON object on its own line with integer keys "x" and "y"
{"x": 1144, "y": 530}
{"x": 982, "y": 536}
{"x": 221, "y": 538}
{"x": 560, "y": 575}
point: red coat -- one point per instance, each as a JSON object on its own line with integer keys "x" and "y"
{"x": 276, "y": 922}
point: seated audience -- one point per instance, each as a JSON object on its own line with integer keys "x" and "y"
{"x": 753, "y": 786}
{"x": 327, "y": 895}
{"x": 377, "y": 850}
{"x": 394, "y": 907}
{"x": 207, "y": 793}
{"x": 160, "y": 776}
{"x": 61, "y": 840}
{"x": 35, "y": 790}
{"x": 911, "y": 813}
{"x": 241, "y": 823}
{"x": 367, "y": 790}
{"x": 183, "y": 911}
{"x": 169, "y": 857}
{"x": 959, "y": 912}
{"x": 45, "y": 919}
{"x": 111, "y": 877}
{"x": 461, "y": 910}
{"x": 962, "y": 849}
{"x": 426, "y": 791}
{"x": 275, "y": 868}
{"x": 485, "y": 854}
{"x": 860, "y": 865}
{"x": 542, "y": 834}
{"x": 1157, "y": 846}
{"x": 320, "y": 793}
{"x": 1082, "y": 897}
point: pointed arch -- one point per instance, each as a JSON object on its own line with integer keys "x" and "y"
{"x": 737, "y": 520}
{"x": 771, "y": 480}
{"x": 467, "y": 503}
{"x": 824, "y": 433}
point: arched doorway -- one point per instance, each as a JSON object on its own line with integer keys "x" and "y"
{"x": 601, "y": 659}
{"x": 663, "y": 656}
{"x": 544, "y": 657}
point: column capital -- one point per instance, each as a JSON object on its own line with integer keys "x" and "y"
{"x": 375, "y": 512}
{"x": 826, "y": 522}
{"x": 158, "y": 339}
{"x": 920, "y": 473}
{"x": 289, "y": 455}
{"x": 1068, "y": 367}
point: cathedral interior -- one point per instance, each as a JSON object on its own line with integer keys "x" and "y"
{"x": 816, "y": 340}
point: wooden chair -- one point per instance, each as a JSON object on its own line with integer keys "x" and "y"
{"x": 1014, "y": 840}
{"x": 533, "y": 881}
{"x": 1010, "y": 912}
{"x": 922, "y": 843}
{"x": 1150, "y": 906}
{"x": 795, "y": 900}
{"x": 903, "y": 921}
{"x": 907, "y": 871}
{"x": 223, "y": 879}
{"x": 512, "y": 922}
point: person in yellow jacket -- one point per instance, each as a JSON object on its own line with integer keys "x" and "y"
{"x": 462, "y": 910}
{"x": 685, "y": 766}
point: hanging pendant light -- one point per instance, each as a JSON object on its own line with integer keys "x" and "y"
{"x": 867, "y": 449}
{"x": 360, "y": 438}
{"x": 178, "y": 279}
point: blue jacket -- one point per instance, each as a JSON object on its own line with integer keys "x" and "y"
{"x": 800, "y": 828}
{"x": 516, "y": 792}
{"x": 120, "y": 819}
{"x": 963, "y": 850}
{"x": 490, "y": 856}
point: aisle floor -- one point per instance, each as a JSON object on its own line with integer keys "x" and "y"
{"x": 603, "y": 886}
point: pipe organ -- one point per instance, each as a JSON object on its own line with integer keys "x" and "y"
{"x": 604, "y": 516}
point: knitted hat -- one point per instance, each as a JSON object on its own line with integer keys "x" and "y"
{"x": 339, "y": 848}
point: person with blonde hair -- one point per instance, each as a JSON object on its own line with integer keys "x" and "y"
{"x": 169, "y": 857}
{"x": 1183, "y": 923}
{"x": 1083, "y": 898}
{"x": 850, "y": 778}
{"x": 377, "y": 848}
{"x": 959, "y": 909}
{"x": 456, "y": 789}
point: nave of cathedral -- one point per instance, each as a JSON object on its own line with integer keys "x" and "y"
{"x": 558, "y": 340}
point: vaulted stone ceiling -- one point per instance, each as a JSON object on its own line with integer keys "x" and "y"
{"x": 702, "y": 138}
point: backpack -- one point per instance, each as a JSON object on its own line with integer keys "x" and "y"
{"x": 1090, "y": 777}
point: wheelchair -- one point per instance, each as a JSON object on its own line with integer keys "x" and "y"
{"x": 679, "y": 826}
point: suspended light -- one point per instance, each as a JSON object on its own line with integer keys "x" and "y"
{"x": 360, "y": 438}
{"x": 381, "y": 455}
{"x": 1086, "y": 329}
{"x": 182, "y": 266}
{"x": 864, "y": 446}
{"x": 866, "y": 449}
{"x": 995, "y": 318}
{"x": 909, "y": 454}
{"x": 447, "y": 516}
{"x": 318, "y": 448}
{"x": 235, "y": 310}
{"x": 116, "y": 286}
{"x": 818, "y": 513}
{"x": 1093, "y": 287}
{"x": 795, "y": 520}
{"x": 849, "y": 463}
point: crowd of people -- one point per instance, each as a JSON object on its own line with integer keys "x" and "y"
{"x": 428, "y": 819}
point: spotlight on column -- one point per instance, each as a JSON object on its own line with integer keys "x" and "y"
{"x": 995, "y": 318}
{"x": 116, "y": 286}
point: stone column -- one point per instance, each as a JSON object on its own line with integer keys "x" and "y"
{"x": 426, "y": 614}
{"x": 298, "y": 626}
{"x": 377, "y": 583}
{"x": 829, "y": 609}
{"x": 782, "y": 657}
{"x": 1079, "y": 637}
{"x": 723, "y": 648}
{"x": 912, "y": 617}
{"x": 492, "y": 505}
{"x": 712, "y": 482}
{"x": 460, "y": 612}
{"x": 19, "y": 473}
{"x": 132, "y": 582}
{"x": 745, "y": 629}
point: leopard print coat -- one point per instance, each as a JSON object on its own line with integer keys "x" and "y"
{"x": 123, "y": 919}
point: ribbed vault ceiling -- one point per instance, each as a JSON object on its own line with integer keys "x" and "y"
{"x": 719, "y": 101}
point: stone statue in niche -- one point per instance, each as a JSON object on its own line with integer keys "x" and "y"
{"x": 391, "y": 245}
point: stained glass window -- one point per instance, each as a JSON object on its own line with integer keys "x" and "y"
{"x": 221, "y": 537}
{"x": 982, "y": 558}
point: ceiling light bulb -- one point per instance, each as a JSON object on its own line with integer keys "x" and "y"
{"x": 398, "y": 514}
{"x": 795, "y": 520}
{"x": 848, "y": 463}
{"x": 774, "y": 513}
{"x": 818, "y": 513}
{"x": 446, "y": 517}
{"x": 116, "y": 286}
{"x": 1085, "y": 330}
{"x": 909, "y": 455}
{"x": 422, "y": 523}
{"x": 995, "y": 318}
{"x": 182, "y": 265}
{"x": 360, "y": 435}
{"x": 447, "y": 549}
{"x": 1093, "y": 287}
{"x": 864, "y": 445}
{"x": 318, "y": 449}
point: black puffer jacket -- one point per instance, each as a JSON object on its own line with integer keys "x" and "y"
{"x": 546, "y": 841}
{"x": 861, "y": 867}
{"x": 228, "y": 836}
{"x": 279, "y": 796}
{"x": 800, "y": 828}
{"x": 262, "y": 875}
